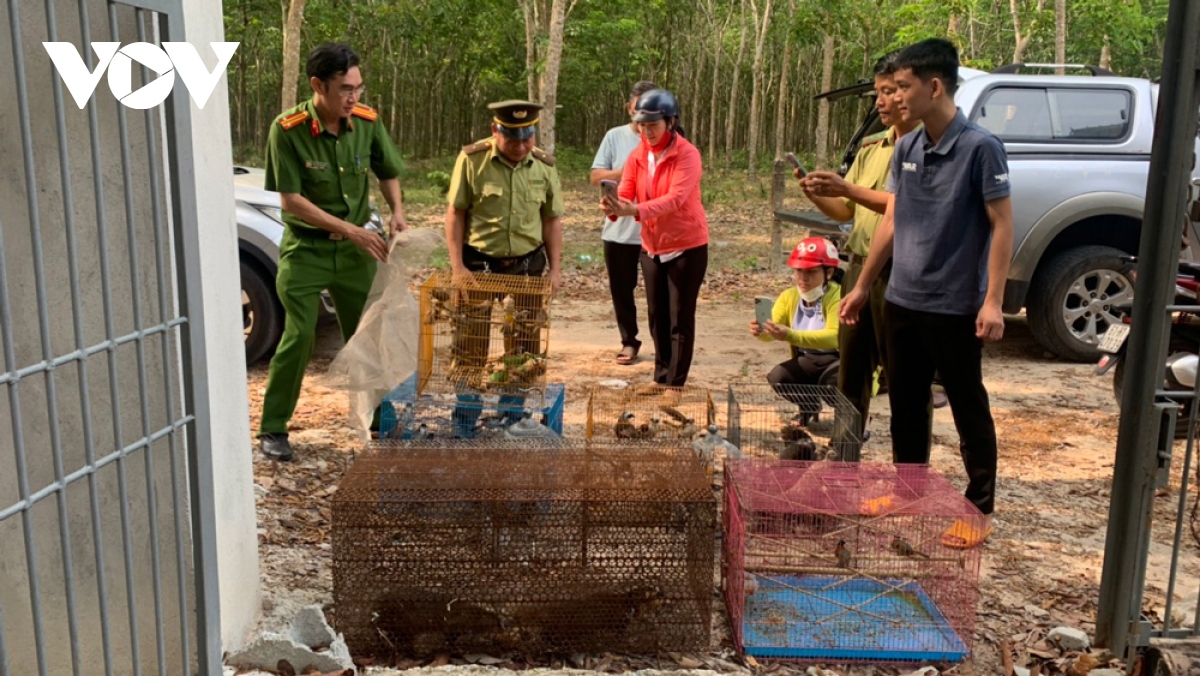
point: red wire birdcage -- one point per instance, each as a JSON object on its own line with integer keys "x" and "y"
{"x": 846, "y": 562}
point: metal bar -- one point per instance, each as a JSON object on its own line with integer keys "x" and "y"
{"x": 143, "y": 379}
{"x": 4, "y": 671}
{"x": 64, "y": 164}
{"x": 31, "y": 559}
{"x": 194, "y": 361}
{"x": 1134, "y": 472}
{"x": 85, "y": 394}
{"x": 91, "y": 469}
{"x": 83, "y": 354}
{"x": 122, "y": 481}
{"x": 1181, "y": 511}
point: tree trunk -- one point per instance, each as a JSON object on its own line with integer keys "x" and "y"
{"x": 1060, "y": 34}
{"x": 291, "y": 53}
{"x": 549, "y": 80}
{"x": 731, "y": 120}
{"x": 1022, "y": 40}
{"x": 712, "y": 106}
{"x": 761, "y": 26}
{"x": 1106, "y": 55}
{"x": 531, "y": 36}
{"x": 827, "y": 53}
{"x": 781, "y": 101}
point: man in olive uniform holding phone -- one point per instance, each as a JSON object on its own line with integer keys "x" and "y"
{"x": 318, "y": 156}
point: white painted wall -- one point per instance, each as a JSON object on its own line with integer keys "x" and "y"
{"x": 237, "y": 537}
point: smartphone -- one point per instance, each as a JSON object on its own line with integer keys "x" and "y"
{"x": 791, "y": 157}
{"x": 763, "y": 307}
{"x": 609, "y": 188}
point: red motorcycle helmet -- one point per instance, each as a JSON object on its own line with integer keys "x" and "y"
{"x": 813, "y": 252}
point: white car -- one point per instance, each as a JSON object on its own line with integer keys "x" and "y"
{"x": 260, "y": 229}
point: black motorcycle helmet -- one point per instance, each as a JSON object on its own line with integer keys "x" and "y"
{"x": 656, "y": 104}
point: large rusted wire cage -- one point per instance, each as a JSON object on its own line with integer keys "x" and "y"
{"x": 665, "y": 417}
{"x": 793, "y": 422}
{"x": 487, "y": 337}
{"x": 522, "y": 547}
{"x": 847, "y": 562}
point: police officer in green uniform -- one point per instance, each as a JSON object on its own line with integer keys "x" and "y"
{"x": 318, "y": 155}
{"x": 505, "y": 212}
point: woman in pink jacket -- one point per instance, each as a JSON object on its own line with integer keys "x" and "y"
{"x": 660, "y": 187}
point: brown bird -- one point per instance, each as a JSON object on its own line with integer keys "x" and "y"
{"x": 843, "y": 554}
{"x": 903, "y": 548}
{"x": 624, "y": 429}
{"x": 798, "y": 444}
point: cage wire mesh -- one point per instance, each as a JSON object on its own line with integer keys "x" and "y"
{"x": 665, "y": 416}
{"x": 846, "y": 561}
{"x": 488, "y": 337}
{"x": 793, "y": 422}
{"x": 531, "y": 547}
{"x": 408, "y": 416}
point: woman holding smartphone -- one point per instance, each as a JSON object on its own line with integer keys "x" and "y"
{"x": 805, "y": 317}
{"x": 660, "y": 188}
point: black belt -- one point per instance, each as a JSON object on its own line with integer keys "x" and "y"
{"x": 315, "y": 233}
{"x": 532, "y": 263}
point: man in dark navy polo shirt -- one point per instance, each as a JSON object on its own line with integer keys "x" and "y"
{"x": 948, "y": 231}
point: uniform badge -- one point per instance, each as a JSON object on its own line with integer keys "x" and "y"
{"x": 520, "y": 114}
{"x": 313, "y": 164}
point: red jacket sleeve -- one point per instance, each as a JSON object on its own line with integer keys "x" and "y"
{"x": 685, "y": 181}
{"x": 628, "y": 188}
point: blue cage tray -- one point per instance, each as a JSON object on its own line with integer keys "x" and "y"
{"x": 436, "y": 411}
{"x": 832, "y": 618}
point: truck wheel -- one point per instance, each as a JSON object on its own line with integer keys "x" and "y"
{"x": 1072, "y": 300}
{"x": 262, "y": 315}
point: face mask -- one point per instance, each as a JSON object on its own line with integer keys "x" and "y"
{"x": 813, "y": 295}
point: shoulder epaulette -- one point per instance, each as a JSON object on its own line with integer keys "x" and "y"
{"x": 875, "y": 138}
{"x": 545, "y": 157}
{"x": 475, "y": 148}
{"x": 293, "y": 120}
{"x": 364, "y": 112}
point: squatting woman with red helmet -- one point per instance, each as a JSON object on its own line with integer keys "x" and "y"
{"x": 660, "y": 187}
{"x": 805, "y": 317}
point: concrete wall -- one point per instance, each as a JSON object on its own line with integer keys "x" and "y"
{"x": 116, "y": 397}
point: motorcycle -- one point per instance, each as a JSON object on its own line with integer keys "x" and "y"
{"x": 1180, "y": 369}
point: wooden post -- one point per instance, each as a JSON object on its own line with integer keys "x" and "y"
{"x": 778, "y": 186}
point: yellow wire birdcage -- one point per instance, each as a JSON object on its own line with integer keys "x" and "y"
{"x": 486, "y": 336}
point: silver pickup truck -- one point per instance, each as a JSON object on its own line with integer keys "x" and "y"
{"x": 1078, "y": 155}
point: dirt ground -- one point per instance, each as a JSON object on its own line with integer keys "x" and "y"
{"x": 1057, "y": 425}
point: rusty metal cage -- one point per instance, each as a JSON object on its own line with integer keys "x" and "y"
{"x": 654, "y": 416}
{"x": 488, "y": 337}
{"x": 522, "y": 547}
{"x": 848, "y": 562}
{"x": 793, "y": 422}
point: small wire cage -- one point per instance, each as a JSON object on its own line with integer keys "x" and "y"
{"x": 532, "y": 548}
{"x": 408, "y": 416}
{"x": 666, "y": 416}
{"x": 847, "y": 562}
{"x": 793, "y": 422}
{"x": 491, "y": 337}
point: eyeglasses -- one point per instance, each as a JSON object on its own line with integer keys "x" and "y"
{"x": 356, "y": 92}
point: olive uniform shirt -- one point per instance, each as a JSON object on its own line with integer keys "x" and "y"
{"x": 329, "y": 171}
{"x": 507, "y": 202}
{"x": 870, "y": 170}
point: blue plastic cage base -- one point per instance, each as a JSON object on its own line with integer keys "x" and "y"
{"x": 435, "y": 411}
{"x": 840, "y": 619}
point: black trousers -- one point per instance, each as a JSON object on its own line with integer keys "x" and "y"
{"x": 622, "y": 261}
{"x": 863, "y": 346}
{"x": 804, "y": 368}
{"x": 918, "y": 344}
{"x": 672, "y": 289}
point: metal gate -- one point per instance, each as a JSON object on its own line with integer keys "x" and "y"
{"x": 107, "y": 533}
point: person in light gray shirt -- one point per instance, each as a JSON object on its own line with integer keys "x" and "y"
{"x": 622, "y": 237}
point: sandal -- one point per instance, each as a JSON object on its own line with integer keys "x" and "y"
{"x": 627, "y": 355}
{"x": 964, "y": 535}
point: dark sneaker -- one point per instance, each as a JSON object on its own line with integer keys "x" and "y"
{"x": 276, "y": 447}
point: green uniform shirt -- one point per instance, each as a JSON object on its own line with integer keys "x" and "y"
{"x": 870, "y": 170}
{"x": 330, "y": 171}
{"x": 507, "y": 202}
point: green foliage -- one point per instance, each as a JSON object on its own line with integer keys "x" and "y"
{"x": 440, "y": 179}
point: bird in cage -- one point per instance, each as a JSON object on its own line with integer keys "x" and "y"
{"x": 798, "y": 444}
{"x": 422, "y": 433}
{"x": 509, "y": 316}
{"x": 842, "y": 552}
{"x": 439, "y": 307}
{"x": 528, "y": 428}
{"x": 708, "y": 444}
{"x": 688, "y": 431}
{"x": 651, "y": 429}
{"x": 625, "y": 429}
{"x": 904, "y": 548}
